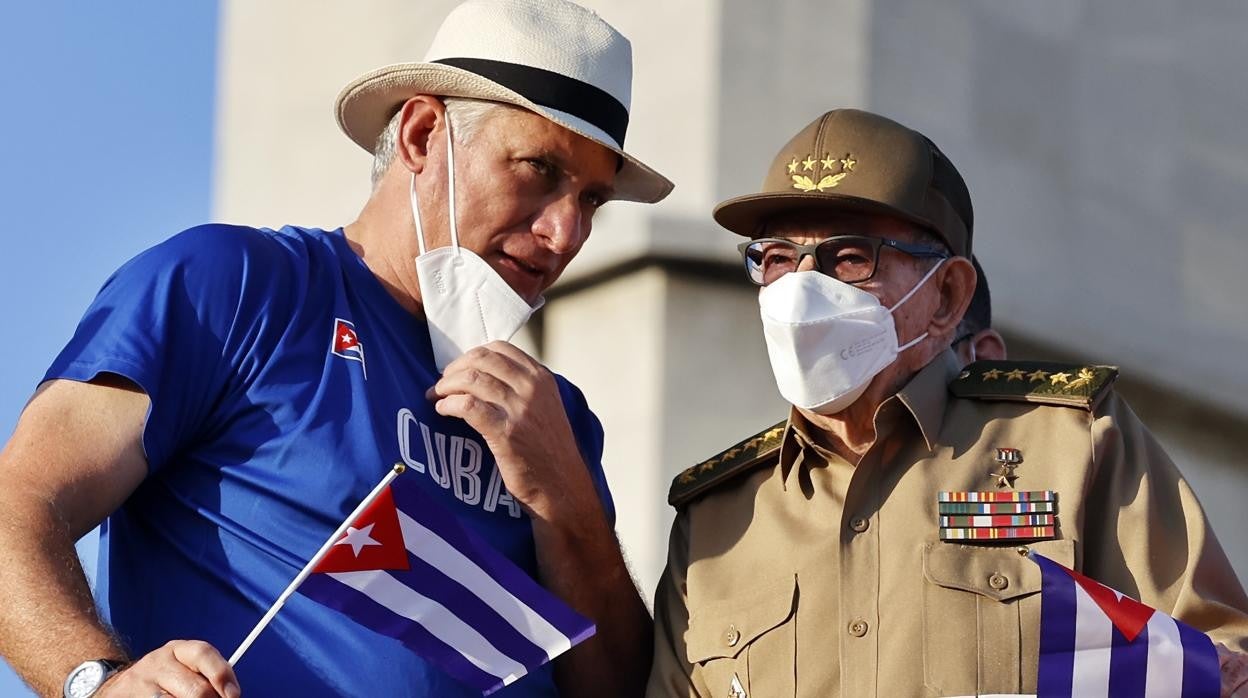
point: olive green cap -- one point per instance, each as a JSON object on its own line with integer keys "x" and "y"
{"x": 851, "y": 160}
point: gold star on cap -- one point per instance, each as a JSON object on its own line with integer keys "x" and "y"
{"x": 1015, "y": 375}
{"x": 828, "y": 162}
{"x": 793, "y": 165}
{"x": 809, "y": 163}
{"x": 848, "y": 162}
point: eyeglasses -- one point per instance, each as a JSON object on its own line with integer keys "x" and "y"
{"x": 851, "y": 259}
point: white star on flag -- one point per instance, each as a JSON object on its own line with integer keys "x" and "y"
{"x": 358, "y": 538}
{"x": 347, "y": 338}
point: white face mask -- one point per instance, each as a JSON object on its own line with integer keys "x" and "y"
{"x": 466, "y": 302}
{"x": 827, "y": 339}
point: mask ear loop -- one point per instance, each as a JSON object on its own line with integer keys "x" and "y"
{"x": 450, "y": 187}
{"x": 906, "y": 297}
{"x": 420, "y": 230}
{"x": 450, "y": 183}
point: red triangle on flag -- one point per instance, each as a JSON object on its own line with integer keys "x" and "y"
{"x": 1127, "y": 614}
{"x": 374, "y": 541}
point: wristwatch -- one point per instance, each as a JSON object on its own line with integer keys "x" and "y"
{"x": 86, "y": 678}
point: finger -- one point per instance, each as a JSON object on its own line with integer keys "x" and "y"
{"x": 483, "y": 416}
{"x": 184, "y": 683}
{"x": 478, "y": 382}
{"x": 499, "y": 358}
{"x": 204, "y": 659}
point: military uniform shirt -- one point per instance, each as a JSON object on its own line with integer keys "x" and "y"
{"x": 805, "y": 575}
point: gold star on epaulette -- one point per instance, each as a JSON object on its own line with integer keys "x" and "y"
{"x": 1059, "y": 377}
{"x": 809, "y": 163}
{"x": 754, "y": 442}
{"x": 1015, "y": 375}
{"x": 1084, "y": 377}
{"x": 992, "y": 374}
{"x": 793, "y": 165}
{"x": 708, "y": 466}
{"x": 1037, "y": 375}
{"x": 729, "y": 453}
{"x": 687, "y": 476}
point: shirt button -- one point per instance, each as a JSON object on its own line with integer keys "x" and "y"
{"x": 859, "y": 524}
{"x": 732, "y": 636}
{"x": 998, "y": 581}
{"x": 858, "y": 627}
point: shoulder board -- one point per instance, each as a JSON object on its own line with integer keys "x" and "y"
{"x": 1071, "y": 385}
{"x": 743, "y": 456}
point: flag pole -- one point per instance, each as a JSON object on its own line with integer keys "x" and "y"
{"x": 316, "y": 559}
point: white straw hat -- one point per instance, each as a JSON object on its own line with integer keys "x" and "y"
{"x": 552, "y": 57}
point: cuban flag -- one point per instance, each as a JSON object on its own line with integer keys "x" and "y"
{"x": 346, "y": 343}
{"x": 406, "y": 568}
{"x": 1096, "y": 642}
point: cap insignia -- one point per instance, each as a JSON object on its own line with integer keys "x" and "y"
{"x": 829, "y": 173}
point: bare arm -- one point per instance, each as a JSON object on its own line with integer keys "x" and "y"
{"x": 74, "y": 457}
{"x": 514, "y": 403}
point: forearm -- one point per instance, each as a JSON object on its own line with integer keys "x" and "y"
{"x": 49, "y": 623}
{"x": 579, "y": 559}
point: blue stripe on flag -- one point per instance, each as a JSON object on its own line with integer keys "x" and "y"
{"x": 431, "y": 583}
{"x": 361, "y": 608}
{"x": 1057, "y": 630}
{"x": 1127, "y": 679}
{"x": 1201, "y": 676}
{"x": 421, "y": 507}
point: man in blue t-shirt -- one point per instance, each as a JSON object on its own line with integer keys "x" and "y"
{"x": 232, "y": 393}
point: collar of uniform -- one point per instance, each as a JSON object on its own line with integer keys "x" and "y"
{"x": 927, "y": 394}
{"x": 797, "y": 446}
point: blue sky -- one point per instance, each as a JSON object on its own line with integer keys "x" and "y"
{"x": 106, "y": 148}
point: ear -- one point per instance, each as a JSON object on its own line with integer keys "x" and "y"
{"x": 422, "y": 122}
{"x": 956, "y": 283}
{"x": 988, "y": 344}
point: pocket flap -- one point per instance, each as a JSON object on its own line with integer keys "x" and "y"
{"x": 720, "y": 629}
{"x": 997, "y": 573}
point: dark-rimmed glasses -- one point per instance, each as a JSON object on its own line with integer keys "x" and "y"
{"x": 852, "y": 259}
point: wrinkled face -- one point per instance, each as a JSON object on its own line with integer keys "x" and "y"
{"x": 526, "y": 191}
{"x": 895, "y": 272}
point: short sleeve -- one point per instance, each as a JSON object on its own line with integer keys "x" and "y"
{"x": 165, "y": 321}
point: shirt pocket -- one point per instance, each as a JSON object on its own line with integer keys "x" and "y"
{"x": 750, "y": 636}
{"x": 981, "y": 616}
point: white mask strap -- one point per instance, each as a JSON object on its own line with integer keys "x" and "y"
{"x": 906, "y": 297}
{"x": 917, "y": 286}
{"x": 450, "y": 184}
{"x": 420, "y": 230}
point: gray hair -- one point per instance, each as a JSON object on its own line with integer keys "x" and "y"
{"x": 465, "y": 116}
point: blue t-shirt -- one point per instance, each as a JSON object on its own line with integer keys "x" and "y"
{"x": 264, "y": 433}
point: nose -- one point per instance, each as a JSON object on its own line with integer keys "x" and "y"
{"x": 559, "y": 223}
{"x": 807, "y": 262}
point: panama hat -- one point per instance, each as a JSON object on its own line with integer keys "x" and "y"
{"x": 552, "y": 57}
{"x": 855, "y": 161}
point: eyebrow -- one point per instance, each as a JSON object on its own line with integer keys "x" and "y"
{"x": 606, "y": 191}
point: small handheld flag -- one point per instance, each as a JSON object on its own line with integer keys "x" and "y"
{"x": 403, "y": 566}
{"x": 1096, "y": 642}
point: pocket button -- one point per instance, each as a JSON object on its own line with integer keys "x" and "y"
{"x": 732, "y": 636}
{"x": 998, "y": 581}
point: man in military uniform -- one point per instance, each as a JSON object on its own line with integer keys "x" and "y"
{"x": 816, "y": 558}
